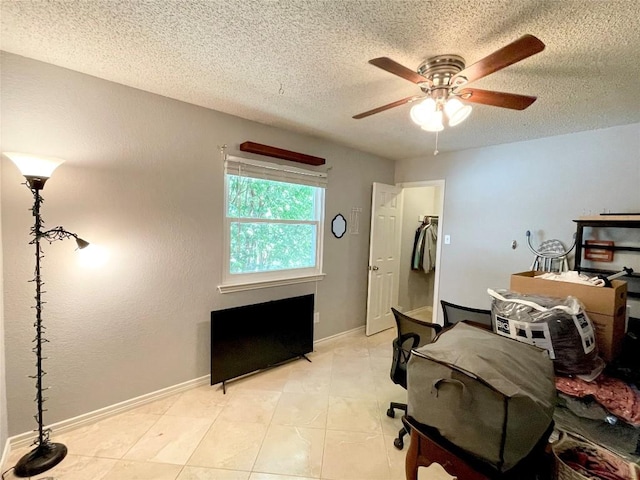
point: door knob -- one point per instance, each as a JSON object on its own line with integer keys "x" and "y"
{"x": 373, "y": 268}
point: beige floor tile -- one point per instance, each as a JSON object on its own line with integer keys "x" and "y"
{"x": 352, "y": 347}
{"x": 289, "y": 450}
{"x": 229, "y": 445}
{"x": 386, "y": 395}
{"x": 130, "y": 470}
{"x": 382, "y": 338}
{"x": 390, "y": 426}
{"x": 109, "y": 438}
{"x": 381, "y": 351}
{"x": 350, "y": 365}
{"x": 320, "y": 360}
{"x": 170, "y": 440}
{"x": 352, "y": 350}
{"x": 395, "y": 457}
{"x": 75, "y": 467}
{"x": 354, "y": 456}
{"x": 270, "y": 476}
{"x": 353, "y": 415}
{"x": 251, "y": 406}
{"x": 302, "y": 410}
{"x": 353, "y": 385}
{"x": 269, "y": 379}
{"x": 387, "y": 390}
{"x": 159, "y": 407}
{"x": 200, "y": 473}
{"x": 324, "y": 347}
{"x": 381, "y": 366}
{"x": 16, "y": 454}
{"x": 309, "y": 381}
{"x": 203, "y": 402}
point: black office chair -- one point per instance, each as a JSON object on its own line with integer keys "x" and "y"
{"x": 412, "y": 333}
{"x": 456, "y": 313}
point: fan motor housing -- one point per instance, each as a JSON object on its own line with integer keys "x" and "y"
{"x": 441, "y": 69}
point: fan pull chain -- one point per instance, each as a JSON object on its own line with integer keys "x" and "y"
{"x": 436, "y": 152}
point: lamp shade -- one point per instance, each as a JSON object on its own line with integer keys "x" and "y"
{"x": 34, "y": 166}
{"x": 434, "y": 123}
{"x": 81, "y": 243}
{"x": 456, "y": 111}
{"x": 422, "y": 112}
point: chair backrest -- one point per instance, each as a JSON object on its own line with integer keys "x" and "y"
{"x": 456, "y": 313}
{"x": 412, "y": 333}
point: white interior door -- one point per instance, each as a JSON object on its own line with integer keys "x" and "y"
{"x": 384, "y": 256}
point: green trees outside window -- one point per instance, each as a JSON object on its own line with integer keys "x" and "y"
{"x": 273, "y": 225}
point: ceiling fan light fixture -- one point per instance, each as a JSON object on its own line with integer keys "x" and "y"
{"x": 443, "y": 76}
{"x": 457, "y": 112}
{"x": 422, "y": 112}
{"x": 434, "y": 123}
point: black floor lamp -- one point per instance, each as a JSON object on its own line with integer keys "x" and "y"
{"x": 37, "y": 171}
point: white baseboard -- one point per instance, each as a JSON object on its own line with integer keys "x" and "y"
{"x": 341, "y": 334}
{"x": 422, "y": 313}
{"x": 5, "y": 454}
{"x": 24, "y": 439}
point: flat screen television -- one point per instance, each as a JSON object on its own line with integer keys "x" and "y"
{"x": 254, "y": 337}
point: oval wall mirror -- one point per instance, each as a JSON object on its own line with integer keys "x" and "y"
{"x": 338, "y": 226}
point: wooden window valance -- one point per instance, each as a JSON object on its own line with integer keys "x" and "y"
{"x": 276, "y": 152}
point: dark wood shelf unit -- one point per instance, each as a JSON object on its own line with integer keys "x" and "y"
{"x": 604, "y": 271}
{"x": 606, "y": 222}
{"x": 610, "y": 247}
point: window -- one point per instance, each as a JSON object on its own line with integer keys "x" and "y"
{"x": 273, "y": 224}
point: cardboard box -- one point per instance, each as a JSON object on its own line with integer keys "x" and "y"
{"x": 606, "y": 307}
{"x": 609, "y": 334}
{"x": 601, "y": 300}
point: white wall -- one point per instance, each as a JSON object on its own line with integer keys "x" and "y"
{"x": 4, "y": 425}
{"x": 144, "y": 178}
{"x": 494, "y": 195}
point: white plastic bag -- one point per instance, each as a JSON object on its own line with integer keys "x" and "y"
{"x": 559, "y": 325}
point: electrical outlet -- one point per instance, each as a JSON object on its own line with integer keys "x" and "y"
{"x": 447, "y": 239}
{"x": 316, "y": 317}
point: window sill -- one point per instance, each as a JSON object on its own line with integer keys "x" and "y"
{"x": 241, "y": 287}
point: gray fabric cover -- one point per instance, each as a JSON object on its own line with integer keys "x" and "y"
{"x": 490, "y": 395}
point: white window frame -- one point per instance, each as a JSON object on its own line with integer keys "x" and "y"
{"x": 272, "y": 171}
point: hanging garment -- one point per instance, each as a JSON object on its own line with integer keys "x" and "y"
{"x": 423, "y": 256}
{"x": 430, "y": 247}
{"x": 418, "y": 248}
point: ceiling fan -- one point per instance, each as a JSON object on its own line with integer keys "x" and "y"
{"x": 443, "y": 81}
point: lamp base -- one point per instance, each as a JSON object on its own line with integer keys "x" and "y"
{"x": 40, "y": 459}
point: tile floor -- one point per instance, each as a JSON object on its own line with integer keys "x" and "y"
{"x": 300, "y": 421}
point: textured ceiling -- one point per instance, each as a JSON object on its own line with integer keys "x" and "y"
{"x": 302, "y": 64}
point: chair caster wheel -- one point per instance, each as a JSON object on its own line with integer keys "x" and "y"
{"x": 398, "y": 443}
{"x": 391, "y": 413}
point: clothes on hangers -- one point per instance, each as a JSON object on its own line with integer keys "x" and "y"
{"x": 423, "y": 256}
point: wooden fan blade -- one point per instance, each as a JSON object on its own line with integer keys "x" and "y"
{"x": 391, "y": 66}
{"x": 522, "y": 48}
{"x": 387, "y": 107}
{"x": 496, "y": 99}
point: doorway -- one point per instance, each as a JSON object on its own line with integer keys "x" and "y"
{"x": 418, "y": 289}
{"x": 397, "y": 211}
